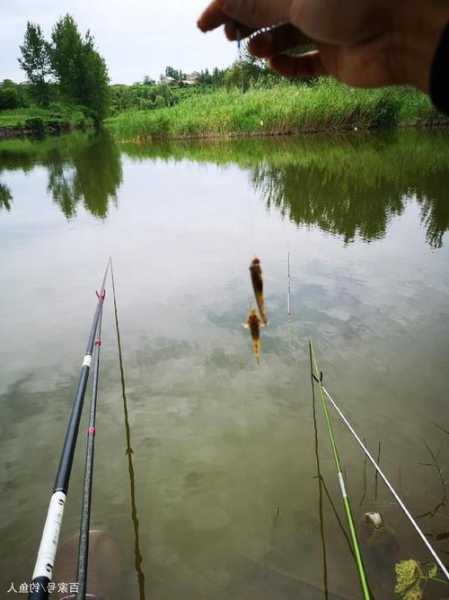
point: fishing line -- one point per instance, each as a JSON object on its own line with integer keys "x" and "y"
{"x": 289, "y": 284}
{"x": 138, "y": 557}
{"x": 239, "y": 44}
{"x": 344, "y": 492}
{"x": 240, "y": 60}
{"x": 289, "y": 296}
{"x": 250, "y": 209}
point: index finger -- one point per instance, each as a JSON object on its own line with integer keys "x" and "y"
{"x": 212, "y": 17}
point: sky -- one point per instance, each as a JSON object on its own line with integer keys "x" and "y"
{"x": 136, "y": 37}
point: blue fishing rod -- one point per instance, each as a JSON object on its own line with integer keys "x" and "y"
{"x": 43, "y": 570}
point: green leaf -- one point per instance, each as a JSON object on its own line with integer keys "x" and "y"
{"x": 433, "y": 571}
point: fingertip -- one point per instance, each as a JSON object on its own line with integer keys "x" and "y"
{"x": 212, "y": 17}
{"x": 201, "y": 25}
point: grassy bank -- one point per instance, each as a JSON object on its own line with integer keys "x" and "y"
{"x": 41, "y": 121}
{"x": 285, "y": 108}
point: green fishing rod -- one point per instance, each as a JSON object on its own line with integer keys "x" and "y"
{"x": 317, "y": 378}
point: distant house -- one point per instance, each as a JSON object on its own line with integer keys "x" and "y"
{"x": 192, "y": 78}
{"x": 187, "y": 79}
{"x": 168, "y": 80}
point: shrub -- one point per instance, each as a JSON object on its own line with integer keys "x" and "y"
{"x": 37, "y": 126}
{"x": 9, "y": 98}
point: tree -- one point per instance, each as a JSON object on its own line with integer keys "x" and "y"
{"x": 175, "y": 74}
{"x": 35, "y": 61}
{"x": 94, "y": 83}
{"x": 65, "y": 53}
{"x": 79, "y": 69}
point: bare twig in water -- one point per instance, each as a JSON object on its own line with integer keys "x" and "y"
{"x": 376, "y": 475}
{"x": 443, "y": 483}
{"x": 365, "y": 476}
{"x": 277, "y": 513}
{"x": 446, "y": 431}
{"x": 439, "y": 537}
{"x": 400, "y": 479}
{"x": 337, "y": 516}
{"x": 274, "y": 523}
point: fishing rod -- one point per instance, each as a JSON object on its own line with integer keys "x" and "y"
{"x": 83, "y": 548}
{"x": 375, "y": 464}
{"x": 43, "y": 570}
{"x": 344, "y": 493}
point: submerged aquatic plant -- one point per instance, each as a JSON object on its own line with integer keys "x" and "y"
{"x": 412, "y": 577}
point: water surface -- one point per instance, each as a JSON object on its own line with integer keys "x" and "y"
{"x": 219, "y": 465}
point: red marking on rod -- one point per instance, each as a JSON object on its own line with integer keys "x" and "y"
{"x": 92, "y": 430}
{"x": 98, "y": 342}
{"x": 101, "y": 296}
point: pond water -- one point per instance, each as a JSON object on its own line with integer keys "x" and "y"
{"x": 208, "y": 488}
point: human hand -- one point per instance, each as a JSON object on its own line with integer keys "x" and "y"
{"x": 364, "y": 43}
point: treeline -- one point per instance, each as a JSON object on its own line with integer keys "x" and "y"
{"x": 174, "y": 85}
{"x": 67, "y": 68}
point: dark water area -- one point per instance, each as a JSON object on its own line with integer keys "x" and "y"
{"x": 206, "y": 479}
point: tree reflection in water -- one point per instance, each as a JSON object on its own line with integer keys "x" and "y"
{"x": 81, "y": 169}
{"x": 356, "y": 189}
{"x": 350, "y": 186}
{"x": 5, "y": 197}
{"x": 92, "y": 175}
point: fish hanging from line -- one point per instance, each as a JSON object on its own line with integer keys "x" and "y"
{"x": 257, "y": 281}
{"x": 254, "y": 324}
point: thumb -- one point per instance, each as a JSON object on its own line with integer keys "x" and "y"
{"x": 258, "y": 13}
{"x": 337, "y": 22}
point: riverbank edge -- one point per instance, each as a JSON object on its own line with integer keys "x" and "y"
{"x": 39, "y": 122}
{"x": 9, "y": 133}
{"x": 440, "y": 123}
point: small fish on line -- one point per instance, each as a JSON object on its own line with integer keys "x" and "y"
{"x": 254, "y": 325}
{"x": 257, "y": 281}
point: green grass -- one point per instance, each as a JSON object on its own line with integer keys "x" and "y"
{"x": 55, "y": 117}
{"x": 285, "y": 108}
{"x": 36, "y": 149}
